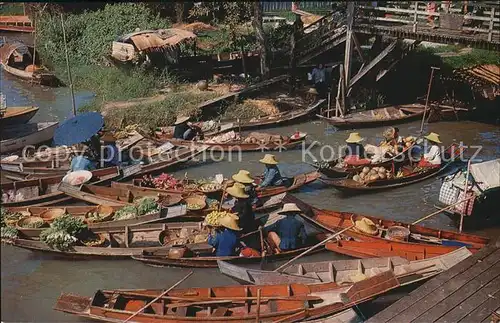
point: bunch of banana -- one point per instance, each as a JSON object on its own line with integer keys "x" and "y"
{"x": 213, "y": 217}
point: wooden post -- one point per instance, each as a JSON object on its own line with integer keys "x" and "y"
{"x": 34, "y": 45}
{"x": 357, "y": 45}
{"x": 427, "y": 98}
{"x": 69, "y": 69}
{"x": 343, "y": 108}
{"x": 415, "y": 17}
{"x": 243, "y": 60}
{"x": 466, "y": 189}
{"x": 348, "y": 44}
{"x": 257, "y": 315}
{"x": 492, "y": 17}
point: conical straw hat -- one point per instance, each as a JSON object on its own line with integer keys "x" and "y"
{"x": 238, "y": 191}
{"x": 243, "y": 176}
{"x": 354, "y": 137}
{"x": 229, "y": 222}
{"x": 181, "y": 119}
{"x": 434, "y": 137}
{"x": 289, "y": 207}
{"x": 269, "y": 159}
{"x": 367, "y": 226}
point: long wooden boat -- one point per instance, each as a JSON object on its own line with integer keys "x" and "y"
{"x": 239, "y": 145}
{"x": 16, "y": 24}
{"x": 174, "y": 213}
{"x": 114, "y": 196}
{"x": 17, "y": 58}
{"x": 349, "y": 271}
{"x": 121, "y": 241}
{"x": 420, "y": 235}
{"x": 297, "y": 182}
{"x": 378, "y": 117}
{"x": 277, "y": 303}
{"x": 37, "y": 168}
{"x": 17, "y": 115}
{"x": 16, "y": 137}
{"x": 43, "y": 191}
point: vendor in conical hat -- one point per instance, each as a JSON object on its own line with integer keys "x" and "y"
{"x": 243, "y": 207}
{"x": 272, "y": 175}
{"x": 184, "y": 130}
{"x": 226, "y": 239}
{"x": 289, "y": 232}
{"x": 354, "y": 154}
{"x": 243, "y": 177}
{"x": 432, "y": 155}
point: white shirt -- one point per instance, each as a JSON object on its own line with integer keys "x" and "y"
{"x": 433, "y": 156}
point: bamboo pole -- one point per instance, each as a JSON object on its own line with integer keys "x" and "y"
{"x": 440, "y": 210}
{"x": 69, "y": 69}
{"x": 313, "y": 247}
{"x": 257, "y": 316}
{"x": 34, "y": 45}
{"x": 158, "y": 297}
{"x": 466, "y": 189}
{"x": 427, "y": 98}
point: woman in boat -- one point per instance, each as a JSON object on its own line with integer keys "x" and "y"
{"x": 284, "y": 234}
{"x": 432, "y": 156}
{"x": 355, "y": 152}
{"x": 393, "y": 140}
{"x": 226, "y": 240}
{"x": 184, "y": 130}
{"x": 272, "y": 175}
{"x": 112, "y": 154}
{"x": 243, "y": 177}
{"x": 243, "y": 207}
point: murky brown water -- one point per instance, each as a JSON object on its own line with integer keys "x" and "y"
{"x": 32, "y": 282}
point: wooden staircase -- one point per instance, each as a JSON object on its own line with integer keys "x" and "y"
{"x": 397, "y": 58}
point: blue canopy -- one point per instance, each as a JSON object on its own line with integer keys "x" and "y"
{"x": 78, "y": 129}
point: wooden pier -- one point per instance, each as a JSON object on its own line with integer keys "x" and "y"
{"x": 468, "y": 292}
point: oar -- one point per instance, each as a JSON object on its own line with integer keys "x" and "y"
{"x": 441, "y": 210}
{"x": 313, "y": 247}
{"x": 158, "y": 297}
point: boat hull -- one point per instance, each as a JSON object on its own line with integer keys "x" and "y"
{"x": 44, "y": 132}
{"x": 15, "y": 116}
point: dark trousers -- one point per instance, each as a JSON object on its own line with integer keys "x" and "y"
{"x": 322, "y": 89}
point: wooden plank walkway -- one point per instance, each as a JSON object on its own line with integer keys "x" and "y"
{"x": 468, "y": 292}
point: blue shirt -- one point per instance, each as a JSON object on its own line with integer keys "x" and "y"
{"x": 272, "y": 177}
{"x": 224, "y": 242}
{"x": 112, "y": 155}
{"x": 355, "y": 150}
{"x": 81, "y": 163}
{"x": 289, "y": 229}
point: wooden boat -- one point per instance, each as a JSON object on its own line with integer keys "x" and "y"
{"x": 297, "y": 182}
{"x": 16, "y": 137}
{"x": 17, "y": 115}
{"x": 387, "y": 248}
{"x": 16, "y": 24}
{"x": 419, "y": 234}
{"x": 121, "y": 241}
{"x": 239, "y": 145}
{"x": 17, "y": 59}
{"x": 277, "y": 303}
{"x": 115, "y": 196}
{"x": 175, "y": 213}
{"x": 345, "y": 272}
{"x": 350, "y": 186}
{"x": 378, "y": 117}
{"x": 44, "y": 191}
{"x": 19, "y": 169}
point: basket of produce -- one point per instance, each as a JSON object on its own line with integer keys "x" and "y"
{"x": 51, "y": 214}
{"x": 165, "y": 200}
{"x": 195, "y": 202}
{"x": 102, "y": 213}
{"x": 398, "y": 233}
{"x": 209, "y": 187}
{"x": 10, "y": 219}
{"x": 177, "y": 252}
{"x": 32, "y": 222}
{"x": 94, "y": 240}
{"x": 125, "y": 213}
{"x": 77, "y": 178}
{"x": 212, "y": 219}
{"x": 147, "y": 205}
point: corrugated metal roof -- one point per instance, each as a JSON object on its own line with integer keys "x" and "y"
{"x": 147, "y": 39}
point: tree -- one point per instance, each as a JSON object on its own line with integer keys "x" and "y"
{"x": 261, "y": 38}
{"x": 179, "y": 11}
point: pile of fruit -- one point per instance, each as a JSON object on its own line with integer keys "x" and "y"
{"x": 373, "y": 174}
{"x": 223, "y": 138}
{"x": 164, "y": 181}
{"x": 210, "y": 187}
{"x": 212, "y": 218}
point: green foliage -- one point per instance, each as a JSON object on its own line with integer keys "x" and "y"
{"x": 9, "y": 233}
{"x": 62, "y": 232}
{"x": 69, "y": 223}
{"x": 13, "y": 9}
{"x": 476, "y": 57}
{"x": 147, "y": 205}
{"x": 90, "y": 34}
{"x": 126, "y": 212}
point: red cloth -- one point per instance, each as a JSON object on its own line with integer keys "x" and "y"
{"x": 425, "y": 163}
{"x": 356, "y": 161}
{"x": 249, "y": 252}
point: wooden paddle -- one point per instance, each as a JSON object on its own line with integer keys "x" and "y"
{"x": 313, "y": 247}
{"x": 158, "y": 297}
{"x": 441, "y": 210}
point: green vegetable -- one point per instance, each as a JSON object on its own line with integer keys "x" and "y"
{"x": 127, "y": 212}
{"x": 69, "y": 223}
{"x": 9, "y": 233}
{"x": 147, "y": 205}
{"x": 62, "y": 232}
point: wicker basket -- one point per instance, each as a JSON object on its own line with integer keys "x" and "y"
{"x": 166, "y": 200}
{"x": 99, "y": 242}
{"x": 204, "y": 188}
{"x": 105, "y": 214}
{"x": 196, "y": 199}
{"x": 25, "y": 222}
{"x": 51, "y": 214}
{"x": 398, "y": 233}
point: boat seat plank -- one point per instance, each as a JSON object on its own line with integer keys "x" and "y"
{"x": 427, "y": 289}
{"x": 411, "y": 312}
{"x": 220, "y": 311}
{"x": 479, "y": 298}
{"x": 460, "y": 294}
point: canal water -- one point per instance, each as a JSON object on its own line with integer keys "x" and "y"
{"x": 32, "y": 282}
